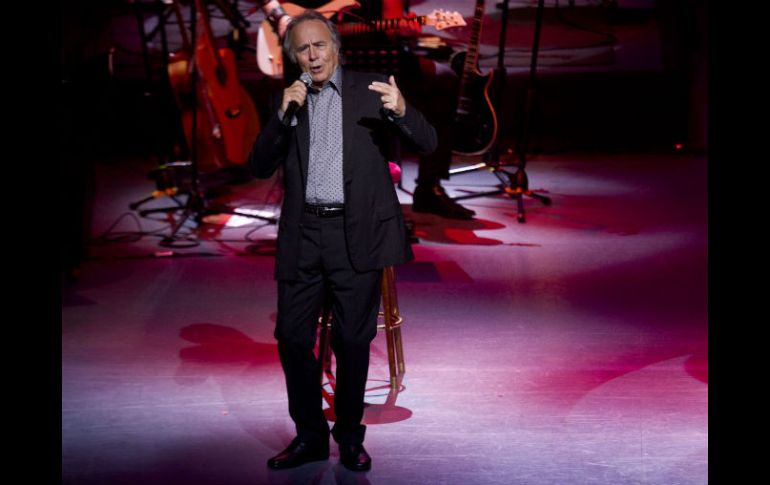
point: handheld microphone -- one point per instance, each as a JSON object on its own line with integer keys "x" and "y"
{"x": 293, "y": 105}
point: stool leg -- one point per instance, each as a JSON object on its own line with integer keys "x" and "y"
{"x": 399, "y": 350}
{"x": 396, "y": 322}
{"x": 392, "y": 331}
{"x": 391, "y": 355}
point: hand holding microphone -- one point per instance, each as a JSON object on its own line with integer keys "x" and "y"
{"x": 294, "y": 97}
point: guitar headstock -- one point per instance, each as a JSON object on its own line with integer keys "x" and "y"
{"x": 441, "y": 19}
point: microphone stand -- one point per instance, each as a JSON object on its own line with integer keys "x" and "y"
{"x": 515, "y": 185}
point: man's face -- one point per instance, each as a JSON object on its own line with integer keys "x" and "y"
{"x": 315, "y": 50}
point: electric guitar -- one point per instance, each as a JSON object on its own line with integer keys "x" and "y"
{"x": 439, "y": 19}
{"x": 270, "y": 57}
{"x": 475, "y": 122}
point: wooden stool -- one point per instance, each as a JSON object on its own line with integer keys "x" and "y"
{"x": 391, "y": 324}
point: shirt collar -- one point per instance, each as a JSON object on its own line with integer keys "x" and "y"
{"x": 335, "y": 81}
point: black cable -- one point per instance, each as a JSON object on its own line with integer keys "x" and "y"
{"x": 110, "y": 237}
{"x": 107, "y": 237}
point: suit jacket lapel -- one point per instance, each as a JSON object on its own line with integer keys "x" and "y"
{"x": 302, "y": 132}
{"x": 348, "y": 114}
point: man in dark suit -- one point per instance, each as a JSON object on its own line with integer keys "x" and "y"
{"x": 430, "y": 88}
{"x": 341, "y": 223}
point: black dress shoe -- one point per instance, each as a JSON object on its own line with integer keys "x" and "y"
{"x": 433, "y": 199}
{"x": 298, "y": 453}
{"x": 355, "y": 457}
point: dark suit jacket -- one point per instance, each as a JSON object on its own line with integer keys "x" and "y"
{"x": 374, "y": 224}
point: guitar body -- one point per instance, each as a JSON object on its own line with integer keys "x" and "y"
{"x": 474, "y": 121}
{"x": 231, "y": 111}
{"x": 269, "y": 54}
{"x": 218, "y": 113}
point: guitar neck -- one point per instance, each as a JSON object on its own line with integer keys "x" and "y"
{"x": 204, "y": 42}
{"x": 203, "y": 25}
{"x": 472, "y": 56}
{"x": 381, "y": 25}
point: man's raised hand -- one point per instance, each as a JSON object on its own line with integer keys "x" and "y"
{"x": 392, "y": 100}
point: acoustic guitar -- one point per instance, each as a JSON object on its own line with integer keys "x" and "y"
{"x": 474, "y": 121}
{"x": 227, "y": 122}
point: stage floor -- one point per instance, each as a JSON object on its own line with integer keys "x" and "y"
{"x": 571, "y": 348}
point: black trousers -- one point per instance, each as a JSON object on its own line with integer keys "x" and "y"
{"x": 324, "y": 262}
{"x": 434, "y": 93}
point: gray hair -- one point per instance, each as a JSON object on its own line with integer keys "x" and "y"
{"x": 304, "y": 17}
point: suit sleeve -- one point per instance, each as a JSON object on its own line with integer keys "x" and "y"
{"x": 415, "y": 127}
{"x": 271, "y": 147}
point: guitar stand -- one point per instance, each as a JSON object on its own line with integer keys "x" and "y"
{"x": 198, "y": 208}
{"x": 515, "y": 185}
{"x": 171, "y": 179}
{"x": 196, "y": 205}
